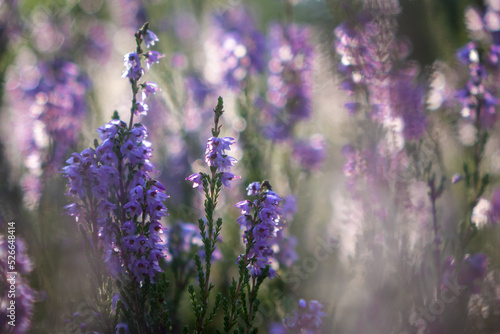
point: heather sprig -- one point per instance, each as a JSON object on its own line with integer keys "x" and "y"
{"x": 260, "y": 221}
{"x": 121, "y": 205}
{"x": 211, "y": 183}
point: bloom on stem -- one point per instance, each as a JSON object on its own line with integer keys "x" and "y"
{"x": 131, "y": 59}
{"x": 122, "y": 204}
{"x": 150, "y": 38}
{"x": 215, "y": 155}
{"x": 260, "y": 231}
{"x": 152, "y": 57}
{"x": 227, "y": 177}
{"x": 149, "y": 88}
{"x": 477, "y": 100}
{"x": 197, "y": 180}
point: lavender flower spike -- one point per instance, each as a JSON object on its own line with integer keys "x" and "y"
{"x": 216, "y": 158}
{"x": 260, "y": 229}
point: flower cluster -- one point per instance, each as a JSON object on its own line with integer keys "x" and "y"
{"x": 134, "y": 70}
{"x": 120, "y": 202}
{"x": 477, "y": 100}
{"x": 261, "y": 222}
{"x": 96, "y": 177}
{"x": 218, "y": 161}
{"x": 289, "y": 83}
{"x": 307, "y": 319}
{"x": 240, "y": 45}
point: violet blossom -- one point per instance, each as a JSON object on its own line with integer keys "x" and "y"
{"x": 126, "y": 204}
{"x": 478, "y": 100}
{"x": 260, "y": 229}
{"x": 218, "y": 161}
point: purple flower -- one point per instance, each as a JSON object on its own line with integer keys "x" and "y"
{"x": 215, "y": 153}
{"x": 289, "y": 208}
{"x": 133, "y": 208}
{"x": 476, "y": 98}
{"x": 468, "y": 54}
{"x": 388, "y": 80}
{"x": 253, "y": 188}
{"x": 352, "y": 108}
{"x": 131, "y": 60}
{"x": 197, "y": 180}
{"x": 456, "y": 178}
{"x": 260, "y": 232}
{"x": 152, "y": 57}
{"x": 285, "y": 250}
{"x": 149, "y": 88}
{"x": 277, "y": 328}
{"x": 134, "y": 73}
{"x": 141, "y": 108}
{"x": 94, "y": 177}
{"x": 227, "y": 178}
{"x": 150, "y": 38}
{"x": 199, "y": 89}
